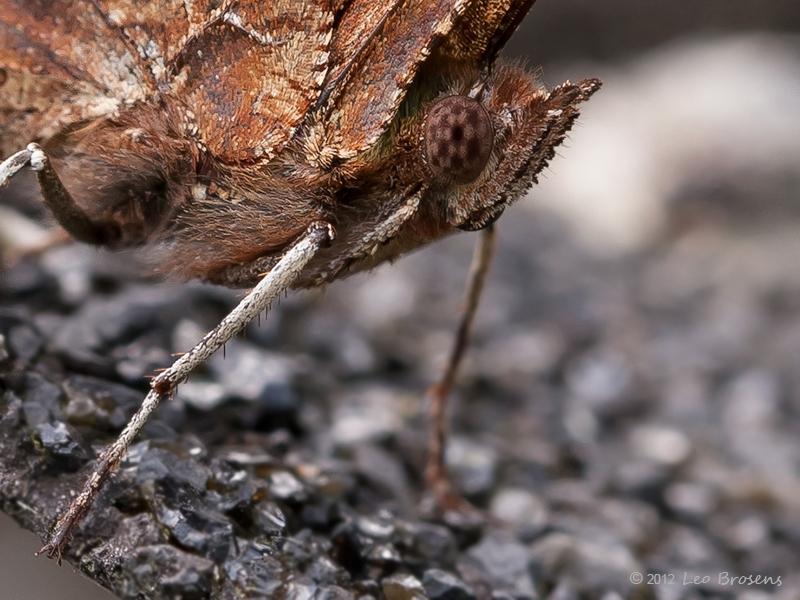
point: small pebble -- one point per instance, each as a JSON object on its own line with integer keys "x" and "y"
{"x": 441, "y": 585}
{"x": 403, "y": 587}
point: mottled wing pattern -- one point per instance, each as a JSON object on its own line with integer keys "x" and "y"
{"x": 484, "y": 28}
{"x": 34, "y": 107}
{"x": 70, "y": 40}
{"x": 247, "y": 71}
{"x": 377, "y": 52}
{"x": 160, "y": 30}
{"x": 61, "y": 62}
{"x": 251, "y": 75}
{"x": 358, "y": 24}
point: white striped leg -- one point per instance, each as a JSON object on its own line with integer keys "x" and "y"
{"x": 14, "y": 164}
{"x": 279, "y": 279}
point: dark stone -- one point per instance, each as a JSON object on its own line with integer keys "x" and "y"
{"x": 505, "y": 561}
{"x": 348, "y": 547}
{"x": 137, "y": 361}
{"x": 473, "y": 466}
{"x": 379, "y": 527}
{"x": 254, "y": 375}
{"x": 384, "y": 471}
{"x": 325, "y": 571}
{"x": 27, "y": 278}
{"x": 131, "y": 533}
{"x": 429, "y": 542}
{"x": 302, "y": 547}
{"x": 565, "y": 590}
{"x": 254, "y": 572}
{"x": 234, "y": 489}
{"x": 198, "y": 528}
{"x": 163, "y": 571}
{"x": 85, "y": 342}
{"x": 24, "y": 343}
{"x": 591, "y": 564}
{"x": 169, "y": 470}
{"x": 41, "y": 400}
{"x": 466, "y": 524}
{"x": 283, "y": 485}
{"x": 300, "y": 590}
{"x": 523, "y": 510}
{"x": 642, "y": 479}
{"x": 441, "y": 585}
{"x": 62, "y": 443}
{"x": 383, "y": 554}
{"x": 11, "y": 416}
{"x": 403, "y": 586}
{"x": 269, "y": 518}
{"x": 104, "y": 405}
{"x": 333, "y": 593}
{"x": 320, "y": 513}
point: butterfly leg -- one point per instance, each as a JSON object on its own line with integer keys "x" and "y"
{"x": 56, "y": 197}
{"x": 437, "y": 479}
{"x": 279, "y": 278}
{"x": 243, "y": 275}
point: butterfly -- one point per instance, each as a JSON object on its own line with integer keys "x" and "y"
{"x": 273, "y": 145}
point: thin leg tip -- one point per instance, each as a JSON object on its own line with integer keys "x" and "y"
{"x": 51, "y": 550}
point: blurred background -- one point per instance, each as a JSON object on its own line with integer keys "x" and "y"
{"x": 640, "y": 338}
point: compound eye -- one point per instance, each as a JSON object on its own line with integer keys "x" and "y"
{"x": 458, "y": 139}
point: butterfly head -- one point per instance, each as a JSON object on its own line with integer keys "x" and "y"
{"x": 484, "y": 140}
{"x": 458, "y": 139}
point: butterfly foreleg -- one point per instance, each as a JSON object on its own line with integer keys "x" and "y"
{"x": 274, "y": 283}
{"x": 75, "y": 221}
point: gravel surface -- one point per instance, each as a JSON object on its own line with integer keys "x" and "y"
{"x": 615, "y": 418}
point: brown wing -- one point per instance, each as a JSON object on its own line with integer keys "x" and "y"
{"x": 35, "y": 107}
{"x": 247, "y": 71}
{"x": 360, "y": 22}
{"x": 376, "y": 52}
{"x": 252, "y": 73}
{"x": 60, "y": 63}
{"x": 71, "y": 41}
{"x": 159, "y": 30}
{"x": 484, "y": 28}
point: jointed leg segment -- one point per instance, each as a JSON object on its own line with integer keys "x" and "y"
{"x": 64, "y": 208}
{"x": 280, "y": 278}
{"x": 435, "y": 472}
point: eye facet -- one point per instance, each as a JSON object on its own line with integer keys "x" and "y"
{"x": 458, "y": 139}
